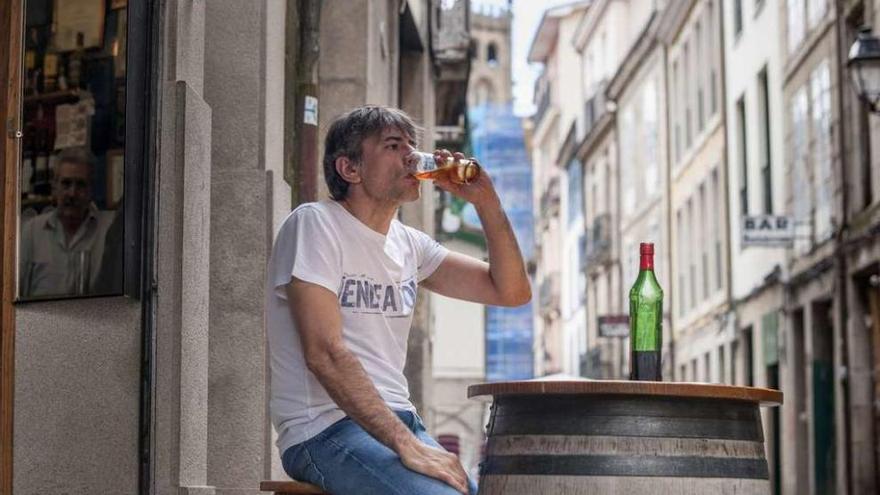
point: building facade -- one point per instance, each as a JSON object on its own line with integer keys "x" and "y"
{"x": 558, "y": 344}
{"x": 755, "y": 189}
{"x": 161, "y": 387}
{"x": 638, "y": 90}
{"x": 604, "y": 38}
{"x": 697, "y": 216}
{"x": 829, "y": 429}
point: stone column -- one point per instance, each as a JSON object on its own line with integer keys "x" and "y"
{"x": 181, "y": 265}
{"x": 235, "y": 87}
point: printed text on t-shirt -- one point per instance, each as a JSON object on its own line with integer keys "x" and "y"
{"x": 361, "y": 294}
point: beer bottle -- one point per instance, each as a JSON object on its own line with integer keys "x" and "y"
{"x": 458, "y": 170}
{"x": 645, "y": 320}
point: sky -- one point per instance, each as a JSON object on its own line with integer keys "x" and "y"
{"x": 526, "y": 17}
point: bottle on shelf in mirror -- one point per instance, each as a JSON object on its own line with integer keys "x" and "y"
{"x": 27, "y": 162}
{"x": 50, "y": 72}
{"x": 75, "y": 64}
{"x": 43, "y": 145}
{"x": 31, "y": 62}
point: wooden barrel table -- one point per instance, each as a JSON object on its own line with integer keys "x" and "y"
{"x": 624, "y": 437}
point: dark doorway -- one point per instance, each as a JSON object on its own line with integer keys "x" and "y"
{"x": 799, "y": 400}
{"x": 823, "y": 398}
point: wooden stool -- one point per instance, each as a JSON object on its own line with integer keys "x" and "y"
{"x": 291, "y": 488}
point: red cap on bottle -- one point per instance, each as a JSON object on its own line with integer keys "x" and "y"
{"x": 646, "y": 249}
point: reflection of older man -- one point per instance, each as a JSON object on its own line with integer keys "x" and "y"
{"x": 61, "y": 250}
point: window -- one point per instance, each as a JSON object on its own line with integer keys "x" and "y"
{"x": 734, "y": 357}
{"x": 576, "y": 277}
{"x": 795, "y": 23}
{"x": 686, "y": 96}
{"x": 681, "y": 249}
{"x": 800, "y": 193}
{"x": 707, "y": 367}
{"x": 574, "y": 174}
{"x": 682, "y": 373}
{"x": 764, "y": 134}
{"x": 83, "y": 127}
{"x": 722, "y": 378}
{"x": 749, "y": 357}
{"x": 716, "y": 229}
{"x": 674, "y": 110}
{"x": 648, "y": 141}
{"x": 816, "y": 10}
{"x": 698, "y": 35}
{"x": 737, "y": 17}
{"x": 704, "y": 213}
{"x": 691, "y": 247}
{"x": 711, "y": 36}
{"x": 694, "y": 376}
{"x": 628, "y": 159}
{"x": 492, "y": 54}
{"x": 742, "y": 144}
{"x": 820, "y": 103}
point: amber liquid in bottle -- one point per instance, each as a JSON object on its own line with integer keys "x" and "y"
{"x": 458, "y": 171}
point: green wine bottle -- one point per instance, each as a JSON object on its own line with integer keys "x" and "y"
{"x": 645, "y": 320}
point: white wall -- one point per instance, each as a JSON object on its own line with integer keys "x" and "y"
{"x": 459, "y": 329}
{"x": 745, "y": 56}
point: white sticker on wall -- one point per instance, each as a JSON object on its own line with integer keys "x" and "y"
{"x": 310, "y": 112}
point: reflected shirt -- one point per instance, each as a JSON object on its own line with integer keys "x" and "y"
{"x": 49, "y": 266}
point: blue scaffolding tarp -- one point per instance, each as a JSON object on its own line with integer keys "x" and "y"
{"x": 496, "y": 138}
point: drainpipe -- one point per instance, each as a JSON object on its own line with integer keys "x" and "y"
{"x": 724, "y": 161}
{"x": 669, "y": 252}
{"x": 839, "y": 251}
{"x": 302, "y": 50}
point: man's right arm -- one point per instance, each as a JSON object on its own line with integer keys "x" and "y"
{"x": 316, "y": 313}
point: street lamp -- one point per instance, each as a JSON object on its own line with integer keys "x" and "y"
{"x": 864, "y": 68}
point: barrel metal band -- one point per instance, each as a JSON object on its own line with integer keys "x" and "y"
{"x": 610, "y": 465}
{"x": 627, "y": 416}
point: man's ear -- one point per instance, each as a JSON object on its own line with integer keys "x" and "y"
{"x": 349, "y": 170}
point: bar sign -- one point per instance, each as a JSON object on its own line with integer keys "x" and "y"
{"x": 767, "y": 231}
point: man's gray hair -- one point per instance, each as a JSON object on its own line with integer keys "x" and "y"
{"x": 348, "y": 132}
{"x": 78, "y": 155}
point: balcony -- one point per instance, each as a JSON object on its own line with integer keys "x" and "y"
{"x": 550, "y": 199}
{"x": 549, "y": 205}
{"x": 543, "y": 106}
{"x": 450, "y": 43}
{"x": 548, "y": 295}
{"x": 595, "y": 107}
{"x": 598, "y": 241}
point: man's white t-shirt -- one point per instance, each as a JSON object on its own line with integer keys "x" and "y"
{"x": 375, "y": 279}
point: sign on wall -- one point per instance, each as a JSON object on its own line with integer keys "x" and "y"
{"x": 767, "y": 231}
{"x": 614, "y": 326}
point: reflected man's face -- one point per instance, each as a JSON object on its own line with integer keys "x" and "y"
{"x": 72, "y": 190}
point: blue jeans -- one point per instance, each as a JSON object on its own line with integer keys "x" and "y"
{"x": 346, "y": 460}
